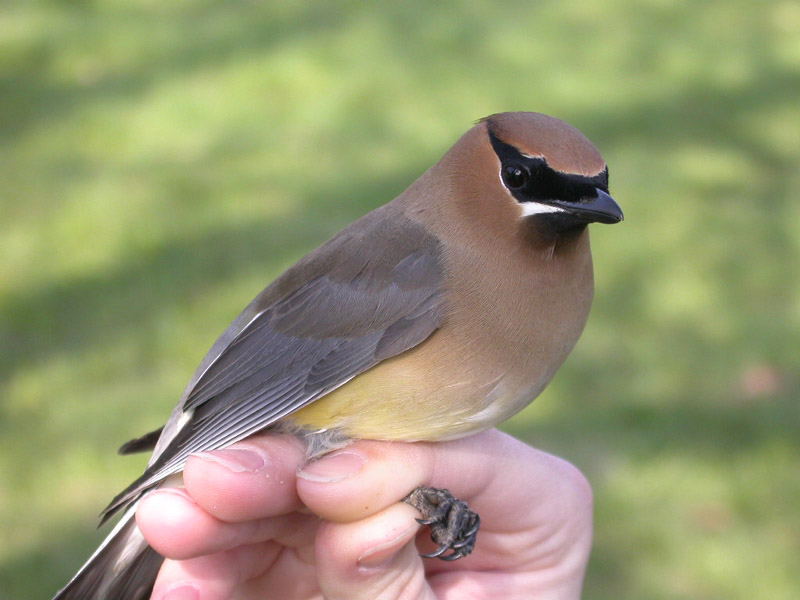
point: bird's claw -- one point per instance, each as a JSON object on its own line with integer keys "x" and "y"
{"x": 454, "y": 527}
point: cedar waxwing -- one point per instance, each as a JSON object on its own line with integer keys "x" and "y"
{"x": 438, "y": 315}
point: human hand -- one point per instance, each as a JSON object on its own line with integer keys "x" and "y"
{"x": 248, "y": 525}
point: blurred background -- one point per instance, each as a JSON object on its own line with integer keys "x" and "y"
{"x": 160, "y": 162}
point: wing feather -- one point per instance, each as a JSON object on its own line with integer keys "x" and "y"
{"x": 370, "y": 293}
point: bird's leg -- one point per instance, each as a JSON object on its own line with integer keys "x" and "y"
{"x": 454, "y": 527}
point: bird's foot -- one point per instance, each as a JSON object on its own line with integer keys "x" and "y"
{"x": 454, "y": 527}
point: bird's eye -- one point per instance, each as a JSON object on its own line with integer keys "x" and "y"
{"x": 514, "y": 176}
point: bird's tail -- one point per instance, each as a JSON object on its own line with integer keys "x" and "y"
{"x": 124, "y": 567}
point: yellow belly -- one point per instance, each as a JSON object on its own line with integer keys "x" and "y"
{"x": 407, "y": 398}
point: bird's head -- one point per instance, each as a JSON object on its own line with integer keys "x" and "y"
{"x": 550, "y": 169}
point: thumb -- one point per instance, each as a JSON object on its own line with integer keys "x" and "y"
{"x": 372, "y": 559}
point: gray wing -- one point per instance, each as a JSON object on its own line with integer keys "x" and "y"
{"x": 370, "y": 293}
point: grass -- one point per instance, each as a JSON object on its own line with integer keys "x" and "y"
{"x": 161, "y": 162}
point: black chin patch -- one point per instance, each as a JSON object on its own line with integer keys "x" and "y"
{"x": 545, "y": 183}
{"x": 561, "y": 223}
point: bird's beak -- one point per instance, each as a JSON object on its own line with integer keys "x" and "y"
{"x": 600, "y": 209}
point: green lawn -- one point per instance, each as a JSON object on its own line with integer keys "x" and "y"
{"x": 160, "y": 162}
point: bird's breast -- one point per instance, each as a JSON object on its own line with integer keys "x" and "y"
{"x": 501, "y": 342}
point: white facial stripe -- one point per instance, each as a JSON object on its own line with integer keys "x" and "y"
{"x": 534, "y": 208}
{"x": 532, "y": 155}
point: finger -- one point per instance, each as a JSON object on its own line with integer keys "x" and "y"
{"x": 371, "y": 559}
{"x": 513, "y": 487}
{"x": 491, "y": 468}
{"x": 366, "y": 477}
{"x": 177, "y": 528}
{"x": 363, "y": 479}
{"x": 213, "y": 577}
{"x": 249, "y": 480}
{"x": 255, "y": 571}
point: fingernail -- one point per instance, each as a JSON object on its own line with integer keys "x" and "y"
{"x": 180, "y": 492}
{"x": 333, "y": 468}
{"x": 184, "y": 592}
{"x": 382, "y": 553}
{"x": 237, "y": 460}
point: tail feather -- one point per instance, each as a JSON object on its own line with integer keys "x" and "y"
{"x": 124, "y": 567}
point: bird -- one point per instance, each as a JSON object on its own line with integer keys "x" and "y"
{"x": 435, "y": 316}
